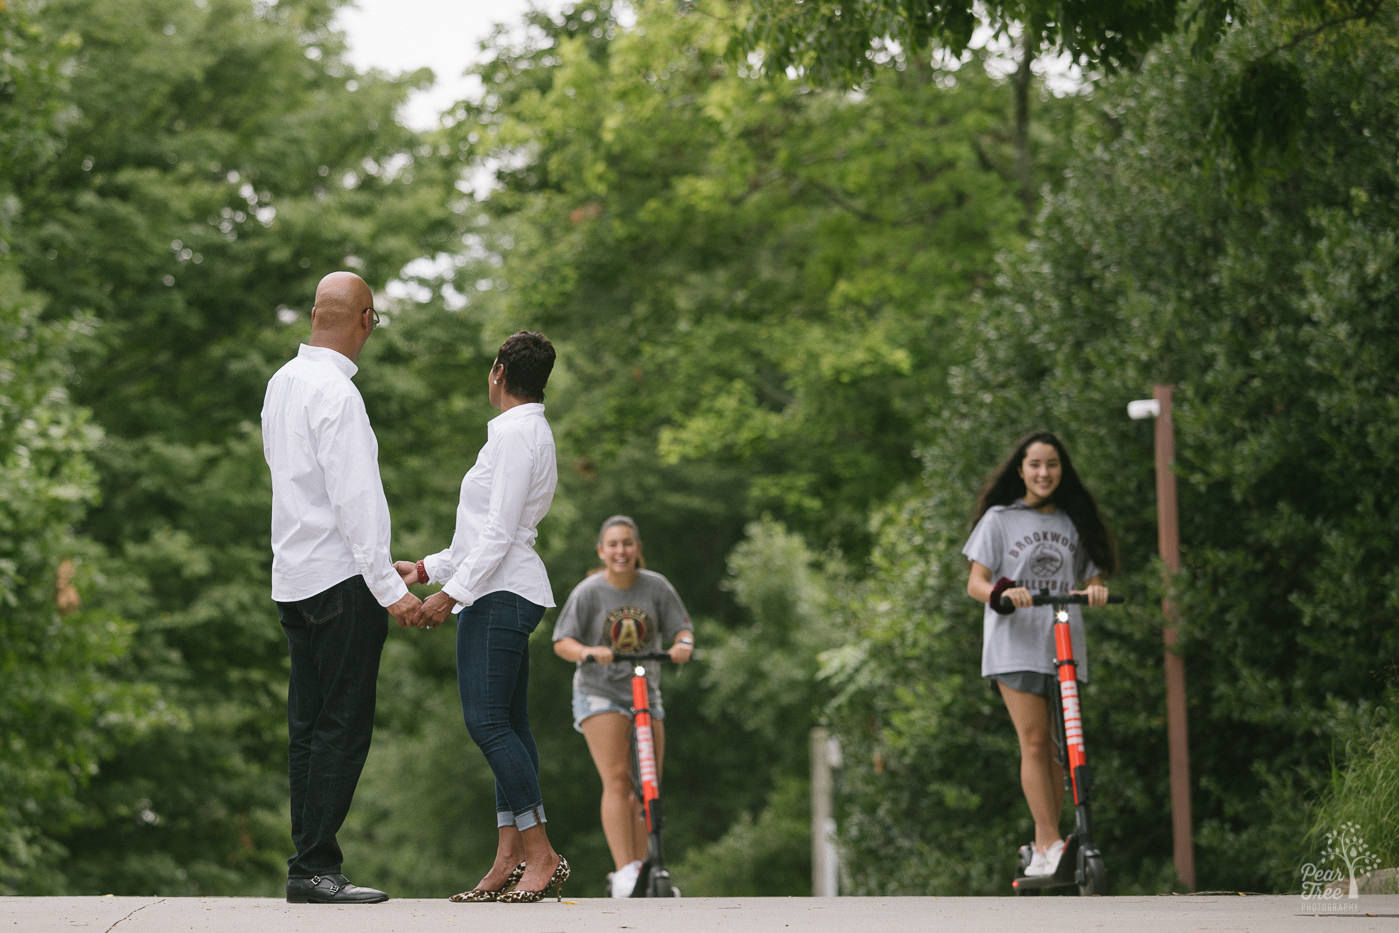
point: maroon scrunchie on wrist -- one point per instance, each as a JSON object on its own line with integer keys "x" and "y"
{"x": 1003, "y": 584}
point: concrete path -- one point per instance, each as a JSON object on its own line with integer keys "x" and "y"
{"x": 1181, "y": 914}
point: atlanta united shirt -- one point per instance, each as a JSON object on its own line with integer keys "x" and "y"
{"x": 642, "y": 618}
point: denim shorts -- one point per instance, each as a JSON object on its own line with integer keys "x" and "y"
{"x": 590, "y": 704}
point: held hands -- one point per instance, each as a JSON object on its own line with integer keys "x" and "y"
{"x": 428, "y": 613}
{"x": 434, "y": 610}
{"x": 404, "y": 609}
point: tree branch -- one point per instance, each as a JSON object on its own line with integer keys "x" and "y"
{"x": 1368, "y": 12}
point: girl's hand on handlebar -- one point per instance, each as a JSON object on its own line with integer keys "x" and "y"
{"x": 680, "y": 651}
{"x": 1019, "y": 596}
{"x": 1097, "y": 594}
{"x": 598, "y": 653}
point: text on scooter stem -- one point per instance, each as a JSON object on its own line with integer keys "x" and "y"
{"x": 646, "y": 755}
{"x": 1073, "y": 720}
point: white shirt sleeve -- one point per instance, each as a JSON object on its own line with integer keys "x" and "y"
{"x": 438, "y": 565}
{"x": 348, "y": 454}
{"x": 511, "y": 470}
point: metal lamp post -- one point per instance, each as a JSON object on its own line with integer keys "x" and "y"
{"x": 1168, "y": 541}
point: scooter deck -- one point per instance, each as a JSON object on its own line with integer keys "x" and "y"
{"x": 1063, "y": 875}
{"x": 645, "y": 880}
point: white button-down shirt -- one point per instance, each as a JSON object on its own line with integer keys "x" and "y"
{"x": 503, "y": 498}
{"x": 330, "y": 520}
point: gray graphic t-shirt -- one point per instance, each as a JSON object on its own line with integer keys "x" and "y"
{"x": 644, "y": 618}
{"x": 1038, "y": 551}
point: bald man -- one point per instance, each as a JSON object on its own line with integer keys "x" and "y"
{"x": 332, "y": 578}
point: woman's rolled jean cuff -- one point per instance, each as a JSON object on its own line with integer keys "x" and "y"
{"x": 531, "y": 818}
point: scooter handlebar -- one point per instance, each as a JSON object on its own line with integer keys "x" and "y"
{"x": 1045, "y": 599}
{"x": 641, "y": 656}
{"x": 1050, "y": 599}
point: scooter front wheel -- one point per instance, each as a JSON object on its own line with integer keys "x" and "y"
{"x": 1093, "y": 879}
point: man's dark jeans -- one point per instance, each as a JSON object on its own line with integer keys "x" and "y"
{"x": 335, "y": 639}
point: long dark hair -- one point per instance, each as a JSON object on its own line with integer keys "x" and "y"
{"x": 1006, "y": 485}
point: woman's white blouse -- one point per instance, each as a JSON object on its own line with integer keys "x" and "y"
{"x": 504, "y": 496}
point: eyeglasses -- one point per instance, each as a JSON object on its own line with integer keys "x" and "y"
{"x": 375, "y": 313}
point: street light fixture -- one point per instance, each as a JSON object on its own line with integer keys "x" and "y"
{"x": 1143, "y": 408}
{"x": 1168, "y": 541}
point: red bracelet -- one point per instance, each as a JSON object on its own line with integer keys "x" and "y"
{"x": 422, "y": 572}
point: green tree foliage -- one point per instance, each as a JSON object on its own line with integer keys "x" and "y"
{"x": 710, "y": 256}
{"x": 848, "y": 41}
{"x": 208, "y": 162}
{"x": 751, "y": 285}
{"x": 759, "y": 689}
{"x": 1259, "y": 289}
{"x": 33, "y": 89}
{"x": 758, "y": 271}
{"x": 842, "y": 42}
{"x": 63, "y": 710}
{"x": 812, "y": 305}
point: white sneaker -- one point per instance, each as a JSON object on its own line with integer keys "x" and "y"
{"x": 1053, "y": 854}
{"x": 1036, "y": 867}
{"x": 624, "y": 879}
{"x": 1045, "y": 861}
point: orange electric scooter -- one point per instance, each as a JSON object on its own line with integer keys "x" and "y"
{"x": 654, "y": 879}
{"x": 1082, "y": 862}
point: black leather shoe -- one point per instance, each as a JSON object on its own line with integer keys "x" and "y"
{"x": 330, "y": 889}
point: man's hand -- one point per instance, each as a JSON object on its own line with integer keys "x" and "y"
{"x": 434, "y": 610}
{"x": 405, "y": 608}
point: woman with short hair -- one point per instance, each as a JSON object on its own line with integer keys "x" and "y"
{"x": 496, "y": 583}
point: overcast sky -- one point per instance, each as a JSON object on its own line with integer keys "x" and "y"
{"x": 401, "y": 35}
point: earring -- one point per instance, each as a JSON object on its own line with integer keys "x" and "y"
{"x": 497, "y": 382}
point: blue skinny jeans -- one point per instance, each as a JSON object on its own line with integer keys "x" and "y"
{"x": 493, "y": 680}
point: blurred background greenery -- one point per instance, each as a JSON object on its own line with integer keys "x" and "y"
{"x": 809, "y": 278}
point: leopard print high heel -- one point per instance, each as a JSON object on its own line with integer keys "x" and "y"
{"x": 477, "y": 895}
{"x": 554, "y": 884}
